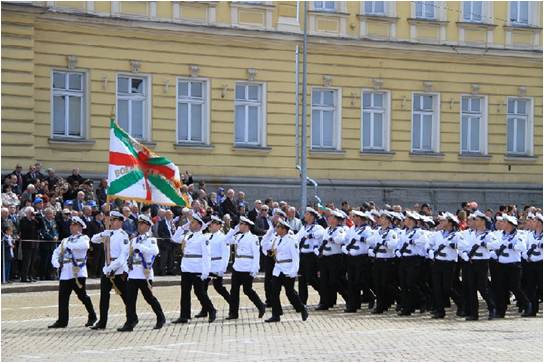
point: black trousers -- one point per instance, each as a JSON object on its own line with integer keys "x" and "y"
{"x": 332, "y": 279}
{"x": 533, "y": 275}
{"x": 133, "y": 285}
{"x": 383, "y": 274}
{"x": 409, "y": 274}
{"x": 65, "y": 290}
{"x": 29, "y": 256}
{"x": 217, "y": 283}
{"x": 289, "y": 284}
{"x": 508, "y": 278}
{"x": 268, "y": 267}
{"x": 190, "y": 280}
{"x": 167, "y": 252}
{"x": 443, "y": 274}
{"x": 308, "y": 275}
{"x": 475, "y": 277}
{"x": 356, "y": 280}
{"x": 245, "y": 280}
{"x": 105, "y": 288}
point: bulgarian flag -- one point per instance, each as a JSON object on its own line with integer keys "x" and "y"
{"x": 136, "y": 173}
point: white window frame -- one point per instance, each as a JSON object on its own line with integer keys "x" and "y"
{"x": 205, "y": 109}
{"x": 373, "y": 12}
{"x": 337, "y": 119}
{"x": 386, "y": 141}
{"x": 435, "y": 5}
{"x": 261, "y": 132}
{"x": 84, "y": 104}
{"x": 516, "y": 21}
{"x": 483, "y": 13}
{"x": 435, "y": 135}
{"x": 316, "y": 8}
{"x": 529, "y": 136}
{"x": 483, "y": 125}
{"x": 147, "y": 104}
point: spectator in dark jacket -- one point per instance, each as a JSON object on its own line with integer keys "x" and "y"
{"x": 30, "y": 231}
{"x": 228, "y": 205}
{"x": 75, "y": 177}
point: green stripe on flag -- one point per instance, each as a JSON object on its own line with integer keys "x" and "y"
{"x": 125, "y": 181}
{"x": 166, "y": 189}
{"x": 123, "y": 137}
{"x": 159, "y": 160}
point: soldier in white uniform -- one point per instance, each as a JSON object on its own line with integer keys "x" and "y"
{"x": 442, "y": 247}
{"x": 245, "y": 268}
{"x": 331, "y": 267}
{"x": 70, "y": 257}
{"x": 195, "y": 269}
{"x": 358, "y": 263}
{"x": 475, "y": 252}
{"x": 286, "y": 264}
{"x": 508, "y": 275}
{"x": 112, "y": 276}
{"x": 410, "y": 250}
{"x": 220, "y": 255}
{"x": 309, "y": 237}
{"x": 383, "y": 246}
{"x": 139, "y": 255}
{"x": 533, "y": 263}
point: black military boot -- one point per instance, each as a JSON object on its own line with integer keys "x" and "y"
{"x": 101, "y": 325}
{"x": 126, "y": 327}
{"x": 91, "y": 320}
{"x": 57, "y": 324}
{"x": 201, "y": 314}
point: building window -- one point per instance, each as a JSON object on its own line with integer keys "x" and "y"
{"x": 68, "y": 104}
{"x": 192, "y": 111}
{"x": 325, "y": 125}
{"x": 472, "y": 11}
{"x": 520, "y": 128}
{"x": 325, "y": 5}
{"x": 249, "y": 115}
{"x": 375, "y": 121}
{"x": 473, "y": 125}
{"x": 375, "y": 7}
{"x": 425, "y": 122}
{"x": 519, "y": 12}
{"x": 425, "y": 10}
{"x": 132, "y": 105}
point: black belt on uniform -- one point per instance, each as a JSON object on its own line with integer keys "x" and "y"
{"x": 216, "y": 258}
{"x": 284, "y": 261}
{"x": 505, "y": 254}
{"x": 77, "y": 260}
{"x": 441, "y": 254}
{"x": 354, "y": 248}
{"x": 478, "y": 254}
{"x": 327, "y": 248}
{"x": 305, "y": 246}
{"x": 192, "y": 256}
{"x": 244, "y": 256}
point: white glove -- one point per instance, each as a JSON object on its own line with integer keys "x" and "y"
{"x": 464, "y": 256}
{"x": 352, "y": 252}
{"x": 237, "y": 228}
{"x": 253, "y": 274}
{"x": 293, "y": 276}
{"x": 316, "y": 251}
{"x": 371, "y": 252}
{"x": 398, "y": 254}
{"x": 106, "y": 270}
{"x": 431, "y": 254}
{"x": 55, "y": 264}
{"x": 345, "y": 250}
{"x": 203, "y": 277}
{"x": 220, "y": 274}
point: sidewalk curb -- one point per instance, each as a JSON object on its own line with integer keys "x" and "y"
{"x": 95, "y": 285}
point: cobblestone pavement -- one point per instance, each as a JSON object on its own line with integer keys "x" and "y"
{"x": 326, "y": 336}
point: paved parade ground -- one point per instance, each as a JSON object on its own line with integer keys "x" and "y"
{"x": 326, "y": 336}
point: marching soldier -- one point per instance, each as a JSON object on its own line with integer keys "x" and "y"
{"x": 475, "y": 252}
{"x": 70, "y": 257}
{"x": 442, "y": 246}
{"x": 114, "y": 240}
{"x": 358, "y": 262}
{"x": 220, "y": 254}
{"x": 410, "y": 250}
{"x": 331, "y": 268}
{"x": 383, "y": 246}
{"x": 195, "y": 269}
{"x": 309, "y": 238}
{"x": 245, "y": 268}
{"x": 533, "y": 263}
{"x": 286, "y": 264}
{"x": 508, "y": 274}
{"x": 139, "y": 255}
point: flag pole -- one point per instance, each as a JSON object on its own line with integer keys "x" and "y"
{"x": 303, "y": 166}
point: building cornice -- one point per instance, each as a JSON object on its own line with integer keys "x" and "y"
{"x": 225, "y": 30}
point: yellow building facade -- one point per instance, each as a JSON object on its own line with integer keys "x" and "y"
{"x": 406, "y": 100}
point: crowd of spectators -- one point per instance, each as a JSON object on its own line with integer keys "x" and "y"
{"x": 37, "y": 206}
